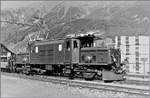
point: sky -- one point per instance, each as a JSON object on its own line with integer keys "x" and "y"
{"x": 15, "y": 4}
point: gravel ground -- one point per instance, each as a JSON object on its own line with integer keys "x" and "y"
{"x": 17, "y": 87}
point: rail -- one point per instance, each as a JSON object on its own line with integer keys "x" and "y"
{"x": 129, "y": 89}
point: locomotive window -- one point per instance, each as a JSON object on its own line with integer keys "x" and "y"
{"x": 82, "y": 57}
{"x": 94, "y": 58}
{"x": 68, "y": 45}
{"x": 60, "y": 47}
{"x": 36, "y": 49}
{"x": 75, "y": 44}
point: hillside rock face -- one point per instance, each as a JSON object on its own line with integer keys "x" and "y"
{"x": 51, "y": 20}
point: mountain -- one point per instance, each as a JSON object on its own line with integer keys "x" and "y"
{"x": 56, "y": 19}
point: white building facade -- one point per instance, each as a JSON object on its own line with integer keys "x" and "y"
{"x": 136, "y": 50}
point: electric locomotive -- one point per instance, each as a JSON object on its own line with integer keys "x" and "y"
{"x": 78, "y": 56}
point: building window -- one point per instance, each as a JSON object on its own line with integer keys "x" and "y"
{"x": 127, "y": 59}
{"x": 137, "y": 59}
{"x": 119, "y": 42}
{"x": 137, "y": 62}
{"x": 127, "y": 46}
{"x": 137, "y": 54}
{"x": 137, "y": 48}
{"x": 127, "y": 49}
{"x": 136, "y": 41}
{"x": 127, "y": 42}
{"x": 127, "y": 68}
{"x": 127, "y": 63}
{"x": 119, "y": 38}
{"x": 127, "y": 38}
{"x": 137, "y": 66}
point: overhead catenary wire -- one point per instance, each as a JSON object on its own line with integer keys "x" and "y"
{"x": 17, "y": 23}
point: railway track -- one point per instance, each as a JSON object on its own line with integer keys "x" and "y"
{"x": 122, "y": 88}
{"x": 135, "y": 81}
{"x": 137, "y": 75}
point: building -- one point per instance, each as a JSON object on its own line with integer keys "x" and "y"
{"x": 135, "y": 49}
{"x": 4, "y": 53}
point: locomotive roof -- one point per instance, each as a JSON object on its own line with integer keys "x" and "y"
{"x": 87, "y": 36}
{"x": 61, "y": 40}
{"x": 95, "y": 48}
{"x": 49, "y": 41}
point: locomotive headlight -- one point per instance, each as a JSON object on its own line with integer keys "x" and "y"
{"x": 25, "y": 59}
{"x": 88, "y": 59}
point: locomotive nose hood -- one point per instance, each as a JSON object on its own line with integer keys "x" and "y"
{"x": 94, "y": 55}
{"x": 116, "y": 56}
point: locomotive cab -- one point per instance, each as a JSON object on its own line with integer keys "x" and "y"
{"x": 86, "y": 41}
{"x": 98, "y": 59}
{"x": 73, "y": 47}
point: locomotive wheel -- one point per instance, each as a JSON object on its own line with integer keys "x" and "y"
{"x": 71, "y": 76}
{"x": 98, "y": 77}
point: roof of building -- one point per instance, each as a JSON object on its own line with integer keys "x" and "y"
{"x": 2, "y": 45}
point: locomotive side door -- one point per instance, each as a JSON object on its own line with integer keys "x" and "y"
{"x": 67, "y": 51}
{"x": 71, "y": 51}
{"x": 75, "y": 51}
